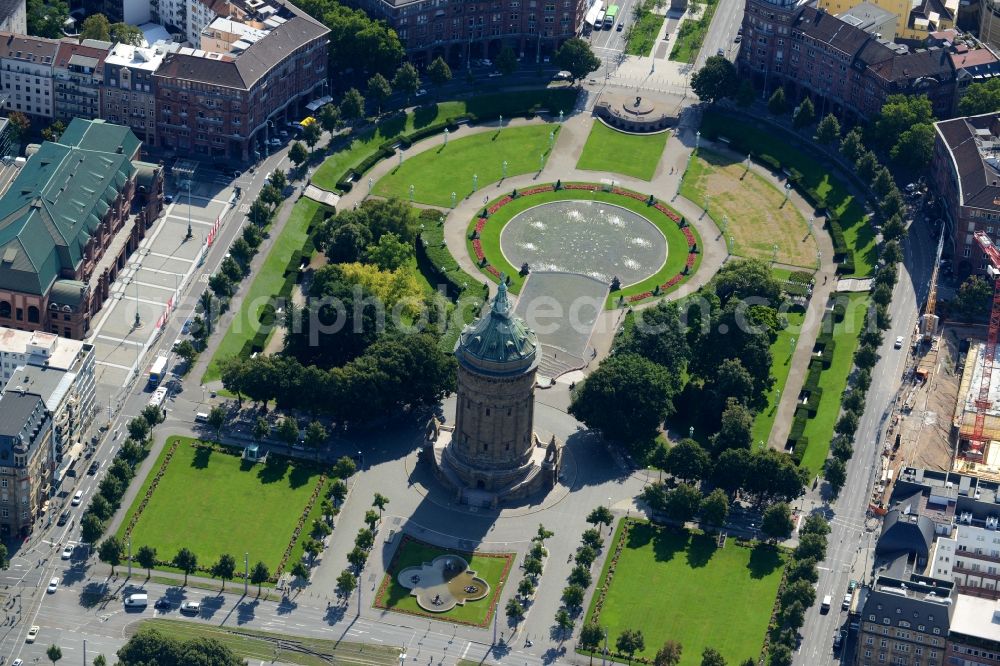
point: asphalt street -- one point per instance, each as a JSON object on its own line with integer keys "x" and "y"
{"x": 850, "y": 540}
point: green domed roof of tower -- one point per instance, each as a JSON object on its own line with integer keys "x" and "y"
{"x": 499, "y": 342}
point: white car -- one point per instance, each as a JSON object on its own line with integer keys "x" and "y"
{"x": 420, "y": 93}
{"x": 495, "y": 74}
{"x": 53, "y": 586}
{"x": 67, "y": 552}
{"x": 77, "y": 498}
{"x": 17, "y": 662}
{"x": 32, "y": 634}
{"x": 899, "y": 342}
{"x": 191, "y": 607}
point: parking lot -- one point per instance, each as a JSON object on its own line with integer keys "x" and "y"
{"x": 153, "y": 276}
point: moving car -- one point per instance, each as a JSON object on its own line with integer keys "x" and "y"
{"x": 899, "y": 342}
{"x": 825, "y": 606}
{"x": 77, "y": 498}
{"x": 53, "y": 586}
{"x": 720, "y": 52}
{"x": 168, "y": 199}
{"x": 63, "y": 518}
{"x": 67, "y": 552}
{"x": 94, "y": 466}
{"x": 620, "y": 27}
{"x": 191, "y": 607}
{"x": 32, "y": 634}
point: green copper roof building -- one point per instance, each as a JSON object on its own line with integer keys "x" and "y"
{"x": 498, "y": 343}
{"x": 58, "y": 201}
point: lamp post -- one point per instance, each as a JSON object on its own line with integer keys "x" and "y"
{"x": 130, "y": 558}
{"x": 504, "y": 168}
{"x": 552, "y": 139}
{"x": 452, "y": 199}
{"x": 725, "y": 223}
{"x": 189, "y": 234}
{"x": 500, "y": 127}
{"x": 697, "y": 140}
{"x": 541, "y": 161}
{"x": 446, "y": 133}
{"x": 401, "y": 158}
{"x": 560, "y": 116}
{"x": 788, "y": 189}
{"x": 411, "y": 193}
{"x": 370, "y": 183}
{"x": 691, "y": 432}
{"x": 774, "y": 253}
{"x": 732, "y": 244}
{"x": 246, "y": 572}
{"x": 475, "y": 182}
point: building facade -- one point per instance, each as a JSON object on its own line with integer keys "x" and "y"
{"x": 843, "y": 68}
{"x": 59, "y": 218}
{"x": 26, "y": 461}
{"x": 78, "y": 76}
{"x": 970, "y": 557}
{"x": 965, "y": 173}
{"x": 128, "y": 96}
{"x": 974, "y": 637}
{"x": 905, "y": 622}
{"x": 225, "y": 104}
{"x": 26, "y": 74}
{"x": 458, "y": 31}
{"x": 914, "y": 21}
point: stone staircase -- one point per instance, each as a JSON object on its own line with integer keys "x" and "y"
{"x": 556, "y": 362}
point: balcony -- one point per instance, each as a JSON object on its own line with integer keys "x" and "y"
{"x": 977, "y": 556}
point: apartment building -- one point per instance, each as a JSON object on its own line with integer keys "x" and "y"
{"x": 128, "y": 96}
{"x": 914, "y": 20}
{"x": 970, "y": 557}
{"x": 905, "y": 622}
{"x": 78, "y": 76}
{"x": 26, "y": 74}
{"x": 26, "y": 461}
{"x": 843, "y": 68}
{"x": 974, "y": 636}
{"x": 459, "y": 30}
{"x": 965, "y": 172}
{"x": 223, "y": 99}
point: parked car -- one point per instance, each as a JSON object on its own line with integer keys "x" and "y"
{"x": 837, "y": 640}
{"x": 67, "y": 552}
{"x": 899, "y": 342}
{"x": 168, "y": 199}
{"x": 191, "y": 607}
{"x": 494, "y": 74}
{"x": 846, "y": 603}
{"x": 162, "y": 604}
{"x": 32, "y": 634}
{"x": 720, "y": 52}
{"x": 739, "y": 38}
{"x": 420, "y": 93}
{"x": 17, "y": 662}
{"x": 53, "y": 586}
{"x": 563, "y": 75}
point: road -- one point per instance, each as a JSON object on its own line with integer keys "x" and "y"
{"x": 721, "y": 33}
{"x": 850, "y": 543}
{"x": 38, "y": 559}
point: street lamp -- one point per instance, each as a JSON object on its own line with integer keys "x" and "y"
{"x": 446, "y": 133}
{"x": 411, "y": 193}
{"x": 189, "y": 234}
{"x": 697, "y": 140}
{"x": 475, "y": 182}
{"x": 691, "y": 432}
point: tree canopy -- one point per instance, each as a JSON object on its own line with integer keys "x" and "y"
{"x": 576, "y": 57}
{"x": 716, "y": 80}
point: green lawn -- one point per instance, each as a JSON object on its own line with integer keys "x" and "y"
{"x": 368, "y": 141}
{"x": 677, "y": 248}
{"x": 629, "y": 154}
{"x": 437, "y": 172}
{"x": 212, "y": 503}
{"x": 858, "y": 233}
{"x": 261, "y": 645}
{"x": 494, "y": 568}
{"x": 781, "y": 352}
{"x": 674, "y": 585}
{"x": 265, "y": 284}
{"x": 692, "y": 34}
{"x": 642, "y": 34}
{"x": 833, "y": 381}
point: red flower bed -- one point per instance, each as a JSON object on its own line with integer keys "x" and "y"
{"x": 537, "y": 190}
{"x": 492, "y": 270}
{"x": 480, "y": 223}
{"x": 689, "y": 235}
{"x": 580, "y": 186}
{"x": 638, "y": 297}
{"x": 477, "y": 246}
{"x": 692, "y": 256}
{"x": 499, "y": 204}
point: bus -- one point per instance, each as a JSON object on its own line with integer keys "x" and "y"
{"x": 610, "y": 17}
{"x": 599, "y": 22}
{"x": 157, "y": 370}
{"x": 159, "y": 395}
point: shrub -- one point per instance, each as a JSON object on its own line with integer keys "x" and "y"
{"x": 772, "y": 162}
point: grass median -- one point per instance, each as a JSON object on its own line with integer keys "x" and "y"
{"x": 633, "y": 155}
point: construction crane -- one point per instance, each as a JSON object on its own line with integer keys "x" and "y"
{"x": 929, "y": 320}
{"x": 983, "y": 402}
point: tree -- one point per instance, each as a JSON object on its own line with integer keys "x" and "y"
{"x": 186, "y": 351}
{"x": 793, "y": 615}
{"x": 576, "y": 57}
{"x": 225, "y": 568}
{"x": 352, "y": 106}
{"x": 258, "y": 574}
{"x": 46, "y": 18}
{"x": 592, "y": 537}
{"x": 371, "y": 519}
{"x": 100, "y": 660}
{"x": 804, "y": 114}
{"x": 866, "y": 165}
{"x": 19, "y": 125}
{"x": 731, "y": 469}
{"x": 96, "y": 26}
{"x": 735, "y": 432}
{"x": 186, "y": 561}
{"x": 123, "y": 33}
{"x": 542, "y": 534}
{"x": 526, "y": 587}
{"x": 315, "y": 436}
{"x": 91, "y": 528}
{"x": 260, "y": 212}
{"x": 851, "y": 147}
{"x": 681, "y": 504}
{"x": 629, "y": 642}
{"x": 802, "y": 570}
{"x": 564, "y": 622}
{"x": 781, "y": 655}
{"x": 261, "y": 429}
{"x": 311, "y": 134}
{"x": 406, "y": 80}
{"x": 300, "y": 571}
{"x": 591, "y": 635}
{"x": 329, "y": 117}
{"x": 580, "y": 575}
{"x": 54, "y": 653}
{"x": 835, "y": 472}
{"x": 138, "y": 429}
{"x": 688, "y": 461}
{"x": 915, "y": 147}
{"x": 145, "y": 557}
{"x": 980, "y": 98}
{"x": 572, "y": 596}
{"x": 515, "y": 611}
{"x": 601, "y": 515}
{"x": 815, "y": 524}
{"x": 380, "y": 503}
{"x": 973, "y": 300}
{"x": 379, "y": 90}
{"x": 847, "y": 425}
{"x": 899, "y": 113}
{"x": 777, "y": 521}
{"x": 346, "y": 582}
{"x": 298, "y": 154}
{"x": 288, "y": 431}
{"x": 54, "y": 131}
{"x": 357, "y": 558}
{"x": 714, "y": 509}
{"x": 668, "y": 655}
{"x": 828, "y": 130}
{"x": 777, "y": 105}
{"x": 811, "y": 546}
{"x": 800, "y": 591}
{"x": 366, "y": 537}
{"x": 716, "y": 80}
{"x": 389, "y": 253}
{"x": 338, "y": 491}
{"x": 110, "y": 552}
{"x": 711, "y": 657}
{"x": 149, "y": 646}
{"x": 533, "y": 566}
{"x": 216, "y": 420}
{"x": 627, "y": 398}
{"x": 439, "y": 72}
